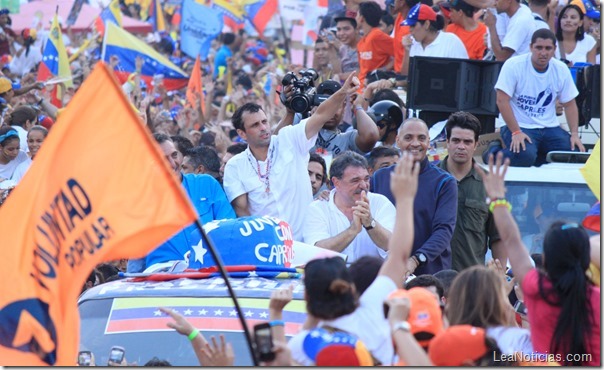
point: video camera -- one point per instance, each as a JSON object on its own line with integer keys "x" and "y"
{"x": 305, "y": 94}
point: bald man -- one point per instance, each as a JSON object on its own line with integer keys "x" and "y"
{"x": 435, "y": 206}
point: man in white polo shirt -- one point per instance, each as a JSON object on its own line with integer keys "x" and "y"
{"x": 270, "y": 177}
{"x": 354, "y": 221}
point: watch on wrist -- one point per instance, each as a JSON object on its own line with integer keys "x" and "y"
{"x": 401, "y": 325}
{"x": 371, "y": 226}
{"x": 421, "y": 259}
{"x": 392, "y": 81}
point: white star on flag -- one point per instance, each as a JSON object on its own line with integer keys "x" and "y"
{"x": 218, "y": 312}
{"x": 200, "y": 251}
{"x": 315, "y": 334}
{"x": 157, "y": 313}
{"x": 249, "y": 313}
{"x": 202, "y": 312}
{"x": 210, "y": 226}
{"x": 233, "y": 313}
{"x": 188, "y": 312}
{"x": 253, "y": 274}
{"x": 263, "y": 315}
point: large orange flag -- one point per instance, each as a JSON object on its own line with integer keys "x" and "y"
{"x": 99, "y": 189}
{"x": 195, "y": 86}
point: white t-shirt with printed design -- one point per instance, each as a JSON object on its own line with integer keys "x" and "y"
{"x": 534, "y": 94}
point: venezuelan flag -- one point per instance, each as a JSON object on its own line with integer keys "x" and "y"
{"x": 256, "y": 12}
{"x": 127, "y": 47}
{"x": 55, "y": 62}
{"x": 112, "y": 13}
{"x": 259, "y": 13}
{"x": 156, "y": 16}
{"x": 234, "y": 13}
{"x": 213, "y": 314}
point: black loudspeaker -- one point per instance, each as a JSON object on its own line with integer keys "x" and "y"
{"x": 487, "y": 122}
{"x": 589, "y": 88}
{"x": 451, "y": 85}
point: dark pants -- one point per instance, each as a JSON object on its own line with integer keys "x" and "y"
{"x": 544, "y": 140}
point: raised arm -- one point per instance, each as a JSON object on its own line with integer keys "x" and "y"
{"x": 407, "y": 347}
{"x": 501, "y": 53}
{"x": 506, "y": 225}
{"x": 367, "y": 129}
{"x": 333, "y": 103}
{"x": 184, "y": 327}
{"x": 403, "y": 182}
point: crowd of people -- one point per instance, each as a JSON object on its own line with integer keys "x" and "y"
{"x": 350, "y": 172}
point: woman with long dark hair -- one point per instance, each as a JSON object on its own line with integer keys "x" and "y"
{"x": 563, "y": 305}
{"x": 574, "y": 45}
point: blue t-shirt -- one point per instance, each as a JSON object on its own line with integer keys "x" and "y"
{"x": 211, "y": 203}
{"x": 221, "y": 58}
{"x": 434, "y": 213}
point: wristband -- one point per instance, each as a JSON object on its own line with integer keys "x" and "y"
{"x": 500, "y": 203}
{"x": 193, "y": 334}
{"x": 359, "y": 107}
{"x": 276, "y": 323}
{"x": 516, "y": 132}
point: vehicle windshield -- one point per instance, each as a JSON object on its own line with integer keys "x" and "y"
{"x": 136, "y": 325}
{"x": 536, "y": 205}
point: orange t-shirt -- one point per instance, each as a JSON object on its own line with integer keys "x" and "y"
{"x": 397, "y": 42}
{"x": 473, "y": 40}
{"x": 375, "y": 50}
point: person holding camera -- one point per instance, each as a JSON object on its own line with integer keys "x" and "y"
{"x": 330, "y": 141}
{"x": 270, "y": 177}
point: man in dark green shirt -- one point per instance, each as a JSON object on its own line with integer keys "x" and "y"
{"x": 475, "y": 229}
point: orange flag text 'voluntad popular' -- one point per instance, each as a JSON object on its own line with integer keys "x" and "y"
{"x": 98, "y": 190}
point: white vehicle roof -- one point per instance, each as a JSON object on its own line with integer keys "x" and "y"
{"x": 564, "y": 173}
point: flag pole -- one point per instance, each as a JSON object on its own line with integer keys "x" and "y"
{"x": 285, "y": 39}
{"x": 225, "y": 276}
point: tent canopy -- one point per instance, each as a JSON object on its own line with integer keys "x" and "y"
{"x": 32, "y": 13}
